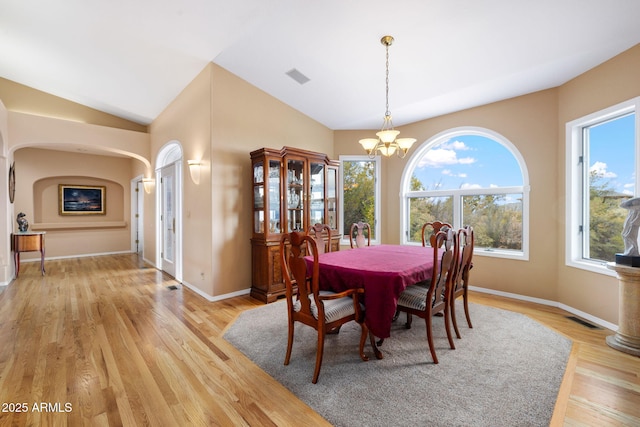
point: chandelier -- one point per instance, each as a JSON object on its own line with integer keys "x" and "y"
{"x": 386, "y": 143}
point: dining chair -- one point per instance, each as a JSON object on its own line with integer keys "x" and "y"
{"x": 357, "y": 237}
{"x": 316, "y": 232}
{"x": 433, "y": 227}
{"x": 306, "y": 304}
{"x": 424, "y": 301}
{"x": 460, "y": 285}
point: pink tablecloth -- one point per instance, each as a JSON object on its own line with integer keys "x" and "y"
{"x": 384, "y": 271}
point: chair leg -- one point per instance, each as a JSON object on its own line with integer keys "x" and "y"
{"x": 466, "y": 309}
{"x": 289, "y": 343}
{"x": 375, "y": 348}
{"x": 319, "y": 353}
{"x": 453, "y": 317}
{"x": 432, "y": 349}
{"x": 409, "y": 320}
{"x": 447, "y": 317}
{"x": 363, "y": 338}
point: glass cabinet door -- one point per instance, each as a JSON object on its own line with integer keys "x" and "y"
{"x": 258, "y": 197}
{"x": 316, "y": 190}
{"x": 273, "y": 184}
{"x": 295, "y": 195}
{"x": 332, "y": 200}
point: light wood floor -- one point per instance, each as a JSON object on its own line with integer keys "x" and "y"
{"x": 104, "y": 341}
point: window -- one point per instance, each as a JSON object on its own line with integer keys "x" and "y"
{"x": 360, "y": 194}
{"x": 601, "y": 173}
{"x": 469, "y": 176}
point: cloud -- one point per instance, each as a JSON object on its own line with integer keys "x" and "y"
{"x": 441, "y": 157}
{"x": 449, "y": 172}
{"x": 467, "y": 160}
{"x": 455, "y": 145}
{"x": 600, "y": 169}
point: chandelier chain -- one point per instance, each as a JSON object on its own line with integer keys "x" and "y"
{"x": 387, "y": 112}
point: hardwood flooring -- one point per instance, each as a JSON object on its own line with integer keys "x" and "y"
{"x": 105, "y": 341}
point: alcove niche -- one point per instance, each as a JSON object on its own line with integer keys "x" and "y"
{"x": 46, "y": 205}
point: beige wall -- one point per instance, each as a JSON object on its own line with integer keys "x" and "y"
{"x": 39, "y": 171}
{"x": 23, "y": 99}
{"x": 535, "y": 124}
{"x": 6, "y": 264}
{"x": 530, "y": 123}
{"x": 608, "y": 84}
{"x": 219, "y": 119}
{"x": 38, "y": 174}
{"x": 187, "y": 121}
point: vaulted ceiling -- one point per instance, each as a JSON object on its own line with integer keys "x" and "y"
{"x": 131, "y": 58}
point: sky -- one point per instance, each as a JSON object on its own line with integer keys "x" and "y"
{"x": 467, "y": 162}
{"x": 612, "y": 154}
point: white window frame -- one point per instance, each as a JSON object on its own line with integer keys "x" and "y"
{"x": 574, "y": 179}
{"x": 377, "y": 193}
{"x": 525, "y": 189}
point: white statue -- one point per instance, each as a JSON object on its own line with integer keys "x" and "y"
{"x": 631, "y": 224}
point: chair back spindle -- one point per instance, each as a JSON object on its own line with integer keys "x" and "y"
{"x": 360, "y": 235}
{"x": 317, "y": 232}
{"x": 429, "y": 231}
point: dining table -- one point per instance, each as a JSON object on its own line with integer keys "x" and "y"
{"x": 383, "y": 271}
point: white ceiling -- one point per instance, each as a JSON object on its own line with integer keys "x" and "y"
{"x": 131, "y": 58}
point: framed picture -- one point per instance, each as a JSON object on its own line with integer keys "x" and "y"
{"x": 82, "y": 200}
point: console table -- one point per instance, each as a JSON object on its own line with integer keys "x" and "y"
{"x": 28, "y": 242}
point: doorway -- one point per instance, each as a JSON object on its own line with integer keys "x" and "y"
{"x": 137, "y": 216}
{"x": 168, "y": 208}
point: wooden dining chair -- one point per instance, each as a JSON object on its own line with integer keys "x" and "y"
{"x": 306, "y": 304}
{"x": 357, "y": 233}
{"x": 423, "y": 301}
{"x": 429, "y": 231}
{"x": 460, "y": 285}
{"x": 316, "y": 232}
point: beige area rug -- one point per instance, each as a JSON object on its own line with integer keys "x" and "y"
{"x": 506, "y": 371}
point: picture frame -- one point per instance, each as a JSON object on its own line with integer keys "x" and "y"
{"x": 82, "y": 199}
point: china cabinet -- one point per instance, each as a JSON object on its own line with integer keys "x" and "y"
{"x": 292, "y": 190}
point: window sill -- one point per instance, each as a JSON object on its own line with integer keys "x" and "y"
{"x": 594, "y": 267}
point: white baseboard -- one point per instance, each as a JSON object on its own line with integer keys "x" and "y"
{"x": 550, "y": 303}
{"x": 74, "y": 256}
{"x": 218, "y": 297}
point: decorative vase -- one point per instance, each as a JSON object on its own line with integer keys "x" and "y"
{"x": 23, "y": 224}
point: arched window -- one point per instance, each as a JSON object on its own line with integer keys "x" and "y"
{"x": 469, "y": 176}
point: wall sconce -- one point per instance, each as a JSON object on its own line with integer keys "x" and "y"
{"x": 148, "y": 184}
{"x": 194, "y": 170}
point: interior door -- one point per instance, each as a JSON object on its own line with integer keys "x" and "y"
{"x": 168, "y": 219}
{"x": 139, "y": 218}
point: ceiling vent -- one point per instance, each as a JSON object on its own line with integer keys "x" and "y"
{"x": 297, "y": 76}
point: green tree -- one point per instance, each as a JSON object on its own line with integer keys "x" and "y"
{"x": 426, "y": 209}
{"x": 359, "y": 194}
{"x": 606, "y": 219}
{"x": 496, "y": 222}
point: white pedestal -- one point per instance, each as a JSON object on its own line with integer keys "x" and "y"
{"x": 627, "y": 338}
